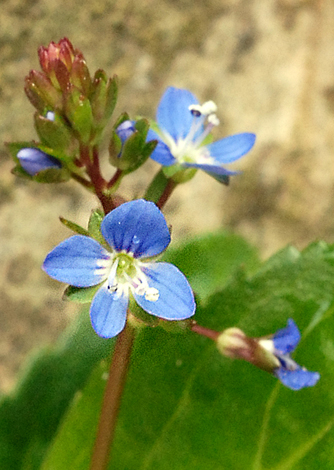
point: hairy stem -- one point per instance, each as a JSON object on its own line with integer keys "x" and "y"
{"x": 112, "y": 398}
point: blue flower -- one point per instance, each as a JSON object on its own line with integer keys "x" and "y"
{"x": 281, "y": 344}
{"x": 182, "y": 134}
{"x": 34, "y": 160}
{"x": 134, "y": 231}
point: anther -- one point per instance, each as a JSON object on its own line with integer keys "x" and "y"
{"x": 152, "y": 294}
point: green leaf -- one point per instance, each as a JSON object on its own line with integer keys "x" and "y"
{"x": 53, "y": 134}
{"x": 94, "y": 225}
{"x": 187, "y": 407}
{"x": 74, "y": 227}
{"x": 208, "y": 261}
{"x": 31, "y": 415}
{"x": 79, "y": 426}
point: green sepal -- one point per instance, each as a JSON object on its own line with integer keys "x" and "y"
{"x": 97, "y": 96}
{"x": 123, "y": 117}
{"x": 94, "y": 226}
{"x": 79, "y": 113}
{"x": 115, "y": 144}
{"x": 178, "y": 173}
{"x": 143, "y": 317}
{"x": 103, "y": 100}
{"x": 74, "y": 227}
{"x": 136, "y": 150}
{"x": 115, "y": 148}
{"x": 111, "y": 98}
{"x": 81, "y": 295}
{"x": 54, "y": 134}
{"x": 20, "y": 173}
{"x": 52, "y": 175}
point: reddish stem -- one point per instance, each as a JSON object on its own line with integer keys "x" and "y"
{"x": 112, "y": 398}
{"x": 115, "y": 178}
{"x": 92, "y": 164}
{"x": 201, "y": 330}
{"x": 170, "y": 186}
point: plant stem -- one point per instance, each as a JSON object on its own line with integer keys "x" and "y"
{"x": 112, "y": 398}
{"x": 203, "y": 331}
{"x": 170, "y": 186}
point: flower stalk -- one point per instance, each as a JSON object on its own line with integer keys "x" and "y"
{"x": 112, "y": 398}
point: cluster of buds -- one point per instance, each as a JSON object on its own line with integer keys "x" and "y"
{"x": 72, "y": 112}
{"x": 65, "y": 87}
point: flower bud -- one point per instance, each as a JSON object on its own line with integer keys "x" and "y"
{"x": 55, "y": 133}
{"x": 79, "y": 112}
{"x": 103, "y": 97}
{"x": 65, "y": 66}
{"x": 34, "y": 160}
{"x": 40, "y": 91}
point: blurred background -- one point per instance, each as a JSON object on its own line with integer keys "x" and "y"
{"x": 268, "y": 65}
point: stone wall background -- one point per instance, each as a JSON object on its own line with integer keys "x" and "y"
{"x": 269, "y": 66}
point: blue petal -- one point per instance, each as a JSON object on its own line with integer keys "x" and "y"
{"x": 212, "y": 170}
{"x": 138, "y": 227}
{"x": 34, "y": 160}
{"x": 78, "y": 261}
{"x": 297, "y": 379}
{"x": 125, "y": 130}
{"x": 176, "y": 299}
{"x": 108, "y": 312}
{"x": 161, "y": 153}
{"x": 231, "y": 148}
{"x": 286, "y": 339}
{"x": 173, "y": 113}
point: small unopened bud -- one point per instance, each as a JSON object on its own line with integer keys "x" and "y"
{"x": 34, "y": 160}
{"x": 125, "y": 130}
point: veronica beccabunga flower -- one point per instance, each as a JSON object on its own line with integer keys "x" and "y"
{"x": 134, "y": 232}
{"x": 183, "y": 127}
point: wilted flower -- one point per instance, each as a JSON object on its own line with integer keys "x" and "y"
{"x": 281, "y": 344}
{"x": 271, "y": 353}
{"x": 135, "y": 232}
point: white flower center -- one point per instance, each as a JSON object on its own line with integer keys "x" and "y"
{"x": 126, "y": 274}
{"x": 191, "y": 149}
